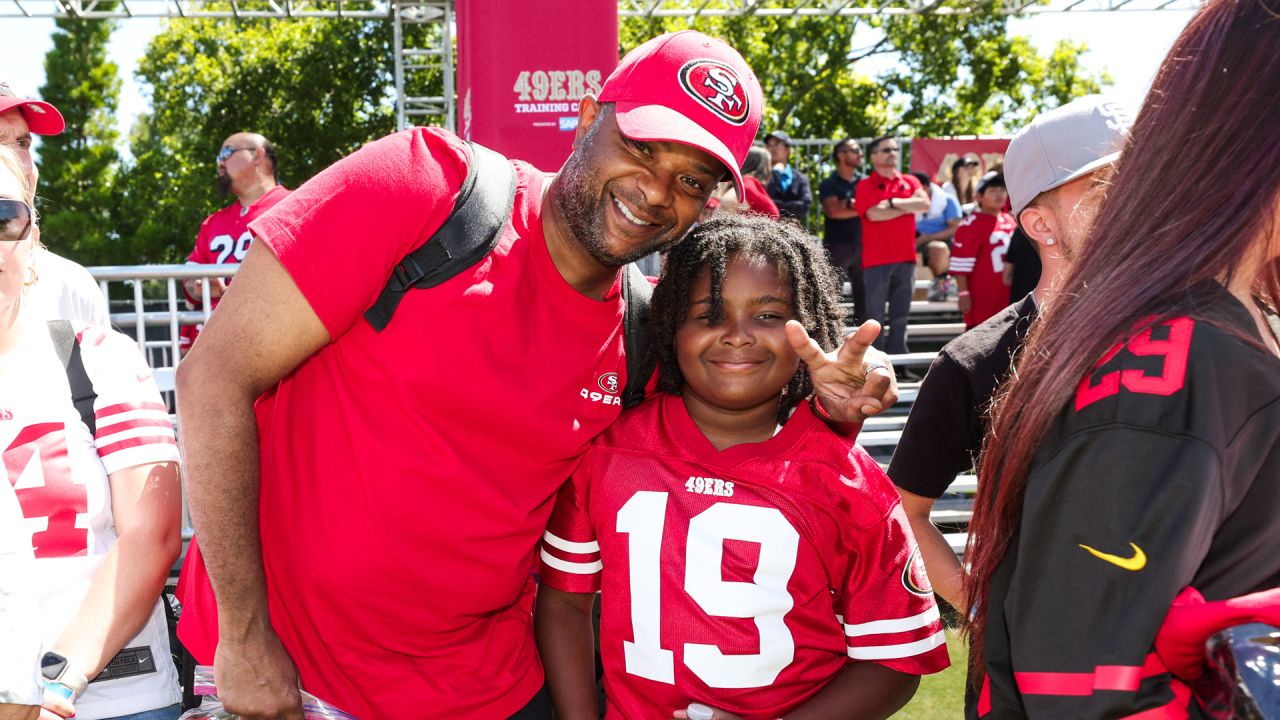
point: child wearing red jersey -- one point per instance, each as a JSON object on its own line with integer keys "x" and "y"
{"x": 749, "y": 558}
{"x": 977, "y": 253}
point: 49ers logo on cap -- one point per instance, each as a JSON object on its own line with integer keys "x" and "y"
{"x": 716, "y": 86}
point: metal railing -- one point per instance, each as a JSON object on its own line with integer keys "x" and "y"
{"x": 150, "y": 304}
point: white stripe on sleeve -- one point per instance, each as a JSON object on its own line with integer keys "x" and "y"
{"x": 891, "y": 652}
{"x": 881, "y": 627}
{"x": 569, "y": 546}
{"x": 575, "y": 568}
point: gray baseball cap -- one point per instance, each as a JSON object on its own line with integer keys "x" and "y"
{"x": 1063, "y": 144}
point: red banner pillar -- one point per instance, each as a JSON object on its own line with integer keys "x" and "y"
{"x": 522, "y": 68}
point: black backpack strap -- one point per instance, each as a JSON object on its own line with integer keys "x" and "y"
{"x": 82, "y": 394}
{"x": 636, "y": 293}
{"x": 471, "y": 232}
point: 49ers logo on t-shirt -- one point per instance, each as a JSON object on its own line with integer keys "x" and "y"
{"x": 716, "y": 86}
{"x": 608, "y": 382}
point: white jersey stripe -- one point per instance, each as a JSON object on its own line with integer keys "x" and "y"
{"x": 161, "y": 432}
{"x": 560, "y": 543}
{"x": 116, "y": 417}
{"x": 880, "y": 627}
{"x": 575, "y": 568}
{"x": 903, "y": 650}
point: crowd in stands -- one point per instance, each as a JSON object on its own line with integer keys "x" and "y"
{"x": 435, "y": 534}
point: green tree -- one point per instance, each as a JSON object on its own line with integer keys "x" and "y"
{"x": 318, "y": 88}
{"x": 78, "y": 167}
{"x": 957, "y": 71}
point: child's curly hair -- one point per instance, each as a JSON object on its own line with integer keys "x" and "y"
{"x": 815, "y": 291}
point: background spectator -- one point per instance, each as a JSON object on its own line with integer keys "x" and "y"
{"x": 841, "y": 228}
{"x": 934, "y": 230}
{"x": 756, "y": 173}
{"x": 246, "y": 167}
{"x": 963, "y": 183}
{"x": 887, "y": 202}
{"x": 788, "y": 187}
{"x": 977, "y": 260}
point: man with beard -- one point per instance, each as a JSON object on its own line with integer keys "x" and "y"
{"x": 246, "y": 168}
{"x": 374, "y": 525}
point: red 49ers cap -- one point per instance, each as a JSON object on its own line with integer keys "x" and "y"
{"x": 41, "y": 117}
{"x": 688, "y": 88}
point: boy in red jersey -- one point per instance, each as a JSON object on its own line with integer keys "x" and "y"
{"x": 751, "y": 559}
{"x": 977, "y": 253}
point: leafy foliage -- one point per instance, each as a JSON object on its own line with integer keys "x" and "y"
{"x": 951, "y": 72}
{"x": 79, "y": 167}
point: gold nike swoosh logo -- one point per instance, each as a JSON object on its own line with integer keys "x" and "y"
{"x": 1132, "y": 564}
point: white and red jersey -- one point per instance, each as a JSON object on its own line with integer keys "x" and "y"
{"x": 977, "y": 252}
{"x": 59, "y": 475}
{"x": 224, "y": 236}
{"x": 743, "y": 579}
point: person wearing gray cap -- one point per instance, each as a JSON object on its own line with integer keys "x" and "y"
{"x": 948, "y": 420}
{"x": 63, "y": 289}
{"x": 788, "y": 187}
{"x": 1134, "y": 452}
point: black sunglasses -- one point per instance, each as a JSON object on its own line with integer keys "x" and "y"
{"x": 15, "y": 220}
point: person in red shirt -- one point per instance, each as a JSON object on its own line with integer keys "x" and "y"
{"x": 977, "y": 253}
{"x": 749, "y": 558}
{"x": 247, "y": 168}
{"x": 369, "y": 503}
{"x": 755, "y": 173}
{"x": 887, "y": 202}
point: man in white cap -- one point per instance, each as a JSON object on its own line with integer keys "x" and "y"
{"x": 63, "y": 289}
{"x": 374, "y": 524}
{"x": 1049, "y": 170}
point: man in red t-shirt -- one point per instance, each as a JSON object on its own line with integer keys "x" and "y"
{"x": 977, "y": 253}
{"x": 372, "y": 519}
{"x": 246, "y": 168}
{"x": 887, "y": 202}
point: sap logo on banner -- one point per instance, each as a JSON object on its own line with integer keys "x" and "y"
{"x": 556, "y": 85}
{"x": 569, "y": 123}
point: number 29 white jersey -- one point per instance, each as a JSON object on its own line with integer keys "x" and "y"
{"x": 743, "y": 579}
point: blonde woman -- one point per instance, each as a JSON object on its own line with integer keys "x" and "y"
{"x": 99, "y": 506}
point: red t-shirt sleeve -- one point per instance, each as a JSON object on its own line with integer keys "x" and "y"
{"x": 570, "y": 553}
{"x": 886, "y": 603}
{"x": 340, "y": 235}
{"x": 864, "y": 197}
{"x": 964, "y": 248}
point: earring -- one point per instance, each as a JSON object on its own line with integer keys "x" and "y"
{"x": 35, "y": 276}
{"x": 1048, "y": 241}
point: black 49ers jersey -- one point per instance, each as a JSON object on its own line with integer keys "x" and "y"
{"x": 744, "y": 579}
{"x": 1163, "y": 472}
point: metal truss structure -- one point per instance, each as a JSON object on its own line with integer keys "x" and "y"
{"x": 424, "y": 28}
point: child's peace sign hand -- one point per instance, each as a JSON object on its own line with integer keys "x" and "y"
{"x": 852, "y": 383}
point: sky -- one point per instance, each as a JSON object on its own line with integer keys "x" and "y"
{"x": 1129, "y": 45}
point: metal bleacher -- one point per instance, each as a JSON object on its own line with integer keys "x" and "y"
{"x": 150, "y": 306}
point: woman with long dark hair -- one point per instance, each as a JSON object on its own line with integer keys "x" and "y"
{"x": 1136, "y": 450}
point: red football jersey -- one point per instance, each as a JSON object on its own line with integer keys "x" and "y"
{"x": 743, "y": 579}
{"x": 977, "y": 252}
{"x": 224, "y": 236}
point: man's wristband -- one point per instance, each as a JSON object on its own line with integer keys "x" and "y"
{"x": 963, "y": 293}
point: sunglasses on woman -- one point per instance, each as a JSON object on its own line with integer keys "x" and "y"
{"x": 15, "y": 220}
